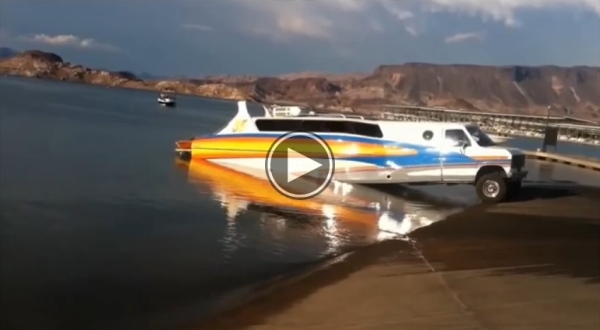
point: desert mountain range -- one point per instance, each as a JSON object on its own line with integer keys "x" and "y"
{"x": 508, "y": 89}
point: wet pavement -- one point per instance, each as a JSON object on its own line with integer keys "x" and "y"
{"x": 529, "y": 264}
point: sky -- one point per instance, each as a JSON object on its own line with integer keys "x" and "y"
{"x": 267, "y": 37}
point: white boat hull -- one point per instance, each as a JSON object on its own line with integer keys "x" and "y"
{"x": 166, "y": 101}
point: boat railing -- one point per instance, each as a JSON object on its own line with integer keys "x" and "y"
{"x": 297, "y": 111}
{"x": 285, "y": 111}
{"x": 335, "y": 115}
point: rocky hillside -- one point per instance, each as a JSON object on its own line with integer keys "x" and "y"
{"x": 571, "y": 91}
{"x": 38, "y": 64}
{"x": 509, "y": 89}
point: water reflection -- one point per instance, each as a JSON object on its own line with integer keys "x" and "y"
{"x": 341, "y": 211}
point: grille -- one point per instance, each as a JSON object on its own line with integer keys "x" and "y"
{"x": 518, "y": 161}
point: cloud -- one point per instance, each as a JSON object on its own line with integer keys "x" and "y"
{"x": 402, "y": 14}
{"x": 319, "y": 19}
{"x": 282, "y": 19}
{"x": 328, "y": 19}
{"x": 68, "y": 40}
{"x": 196, "y": 27}
{"x": 505, "y": 10}
{"x": 464, "y": 37}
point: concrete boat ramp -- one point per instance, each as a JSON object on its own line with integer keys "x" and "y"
{"x": 530, "y": 264}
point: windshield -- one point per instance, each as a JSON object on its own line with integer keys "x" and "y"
{"x": 482, "y": 139}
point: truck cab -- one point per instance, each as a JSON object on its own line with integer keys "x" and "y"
{"x": 466, "y": 155}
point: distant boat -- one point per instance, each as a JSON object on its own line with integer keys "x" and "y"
{"x": 167, "y": 97}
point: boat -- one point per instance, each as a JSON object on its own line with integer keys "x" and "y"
{"x": 167, "y": 97}
{"x": 364, "y": 151}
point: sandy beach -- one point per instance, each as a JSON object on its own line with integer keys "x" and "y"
{"x": 528, "y": 264}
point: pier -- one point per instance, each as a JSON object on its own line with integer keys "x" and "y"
{"x": 569, "y": 128}
{"x": 591, "y": 164}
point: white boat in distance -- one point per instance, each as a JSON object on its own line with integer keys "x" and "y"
{"x": 167, "y": 97}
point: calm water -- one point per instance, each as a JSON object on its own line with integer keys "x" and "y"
{"x": 563, "y": 147}
{"x": 103, "y": 229}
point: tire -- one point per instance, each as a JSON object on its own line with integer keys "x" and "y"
{"x": 491, "y": 188}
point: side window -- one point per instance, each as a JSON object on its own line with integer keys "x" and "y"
{"x": 312, "y": 126}
{"x": 336, "y": 126}
{"x": 367, "y": 130}
{"x": 319, "y": 126}
{"x": 455, "y": 137}
{"x": 427, "y": 135}
{"x": 269, "y": 125}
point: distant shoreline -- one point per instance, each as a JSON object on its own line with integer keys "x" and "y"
{"x": 502, "y": 89}
{"x": 282, "y": 102}
{"x": 134, "y": 87}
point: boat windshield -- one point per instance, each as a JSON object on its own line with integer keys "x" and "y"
{"x": 482, "y": 139}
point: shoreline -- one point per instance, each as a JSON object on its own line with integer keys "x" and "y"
{"x": 125, "y": 87}
{"x": 286, "y": 289}
{"x": 531, "y": 236}
{"x": 251, "y": 99}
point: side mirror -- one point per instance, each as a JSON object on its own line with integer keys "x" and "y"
{"x": 463, "y": 144}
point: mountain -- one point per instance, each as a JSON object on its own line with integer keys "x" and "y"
{"x": 506, "y": 89}
{"x": 44, "y": 65}
{"x": 503, "y": 89}
{"x": 6, "y": 52}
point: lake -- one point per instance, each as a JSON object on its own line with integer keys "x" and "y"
{"x": 102, "y": 228}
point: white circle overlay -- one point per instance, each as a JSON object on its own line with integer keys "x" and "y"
{"x": 330, "y": 158}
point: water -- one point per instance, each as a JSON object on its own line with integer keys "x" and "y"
{"x": 563, "y": 147}
{"x": 103, "y": 229}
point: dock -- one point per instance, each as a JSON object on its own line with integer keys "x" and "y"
{"x": 588, "y": 163}
{"x": 569, "y": 128}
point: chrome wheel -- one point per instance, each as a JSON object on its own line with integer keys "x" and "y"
{"x": 491, "y": 188}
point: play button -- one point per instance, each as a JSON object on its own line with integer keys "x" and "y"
{"x": 299, "y": 165}
{"x": 302, "y": 166}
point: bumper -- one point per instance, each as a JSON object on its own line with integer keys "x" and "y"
{"x": 517, "y": 175}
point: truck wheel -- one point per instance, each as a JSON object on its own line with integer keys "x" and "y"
{"x": 491, "y": 188}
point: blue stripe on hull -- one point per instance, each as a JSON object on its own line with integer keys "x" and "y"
{"x": 422, "y": 158}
